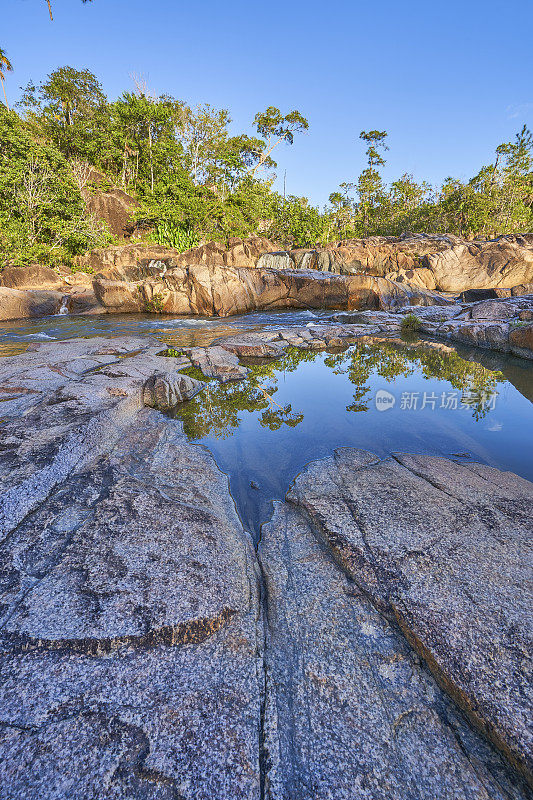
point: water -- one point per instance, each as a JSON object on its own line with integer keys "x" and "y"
{"x": 16, "y": 335}
{"x": 262, "y": 431}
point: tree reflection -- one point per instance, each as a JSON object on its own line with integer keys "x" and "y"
{"x": 217, "y": 410}
{"x": 390, "y": 360}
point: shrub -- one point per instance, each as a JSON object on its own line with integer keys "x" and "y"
{"x": 410, "y": 323}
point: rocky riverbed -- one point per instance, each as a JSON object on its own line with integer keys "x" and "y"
{"x": 376, "y": 644}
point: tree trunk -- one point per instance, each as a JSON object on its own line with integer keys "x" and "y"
{"x": 4, "y": 88}
{"x": 151, "y": 160}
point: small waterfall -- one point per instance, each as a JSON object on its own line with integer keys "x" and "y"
{"x": 63, "y": 308}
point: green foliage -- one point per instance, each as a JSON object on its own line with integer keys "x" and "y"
{"x": 155, "y": 304}
{"x": 172, "y": 234}
{"x": 410, "y": 323}
{"x": 195, "y": 179}
{"x": 498, "y": 200}
{"x": 42, "y": 214}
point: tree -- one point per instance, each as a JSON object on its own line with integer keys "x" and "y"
{"x": 276, "y": 128}
{"x": 42, "y": 213}
{"x": 370, "y": 188}
{"x": 49, "y": 4}
{"x": 5, "y": 66}
{"x": 71, "y": 109}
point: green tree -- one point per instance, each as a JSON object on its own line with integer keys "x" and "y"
{"x": 42, "y": 213}
{"x": 275, "y": 129}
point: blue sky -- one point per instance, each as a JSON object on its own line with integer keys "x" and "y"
{"x": 448, "y": 80}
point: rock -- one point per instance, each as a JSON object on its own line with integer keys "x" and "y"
{"x": 129, "y": 656}
{"x": 143, "y": 656}
{"x": 475, "y": 295}
{"x": 17, "y": 304}
{"x": 494, "y": 309}
{"x": 252, "y": 347}
{"x": 33, "y": 276}
{"x": 521, "y": 340}
{"x": 166, "y": 389}
{"x": 217, "y": 362}
{"x": 435, "y": 313}
{"x": 454, "y": 579}
{"x": 522, "y": 288}
{"x": 241, "y": 253}
{"x": 433, "y": 262}
{"x": 350, "y": 712}
{"x": 224, "y": 291}
{"x": 491, "y": 335}
{"x": 112, "y": 206}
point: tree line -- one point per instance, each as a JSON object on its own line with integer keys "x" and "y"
{"x": 195, "y": 179}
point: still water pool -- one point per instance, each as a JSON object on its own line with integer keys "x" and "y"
{"x": 381, "y": 396}
{"x": 262, "y": 431}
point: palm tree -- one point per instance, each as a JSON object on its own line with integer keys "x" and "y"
{"x": 50, "y": 7}
{"x": 5, "y": 66}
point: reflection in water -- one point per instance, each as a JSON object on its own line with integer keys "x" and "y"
{"x": 263, "y": 430}
{"x": 215, "y": 412}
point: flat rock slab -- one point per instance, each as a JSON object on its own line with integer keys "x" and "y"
{"x": 217, "y": 362}
{"x": 129, "y": 655}
{"x": 445, "y": 550}
{"x": 351, "y": 712}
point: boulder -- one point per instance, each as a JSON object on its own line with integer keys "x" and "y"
{"x": 17, "y": 304}
{"x": 225, "y": 291}
{"x": 166, "y": 390}
{"x": 444, "y": 263}
{"x": 521, "y": 340}
{"x": 139, "y": 260}
{"x": 217, "y": 362}
{"x": 114, "y": 207}
{"x": 522, "y": 288}
{"x": 32, "y": 276}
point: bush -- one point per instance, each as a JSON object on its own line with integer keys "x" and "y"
{"x": 410, "y": 323}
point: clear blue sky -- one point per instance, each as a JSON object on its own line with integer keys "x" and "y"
{"x": 448, "y": 79}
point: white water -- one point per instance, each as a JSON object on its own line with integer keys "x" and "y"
{"x": 63, "y": 308}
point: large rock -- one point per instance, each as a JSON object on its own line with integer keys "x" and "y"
{"x": 443, "y": 263}
{"x": 142, "y": 656}
{"x": 350, "y": 710}
{"x": 129, "y": 654}
{"x": 444, "y": 550}
{"x": 17, "y": 304}
{"x": 32, "y": 276}
{"x": 133, "y": 261}
{"x": 223, "y": 291}
{"x": 110, "y": 205}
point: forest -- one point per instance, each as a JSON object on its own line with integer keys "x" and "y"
{"x": 196, "y": 180}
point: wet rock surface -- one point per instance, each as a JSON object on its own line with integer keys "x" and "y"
{"x": 146, "y": 650}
